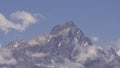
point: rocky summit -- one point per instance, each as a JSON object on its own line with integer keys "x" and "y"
{"x": 64, "y": 47}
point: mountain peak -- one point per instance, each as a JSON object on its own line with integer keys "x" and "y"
{"x": 112, "y": 51}
{"x": 66, "y": 44}
{"x": 68, "y": 27}
{"x": 69, "y": 30}
{"x": 69, "y": 24}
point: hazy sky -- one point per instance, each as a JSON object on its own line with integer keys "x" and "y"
{"x": 98, "y": 19}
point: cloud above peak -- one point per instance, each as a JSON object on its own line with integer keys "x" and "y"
{"x": 19, "y": 21}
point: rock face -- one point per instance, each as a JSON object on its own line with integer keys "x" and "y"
{"x": 65, "y": 47}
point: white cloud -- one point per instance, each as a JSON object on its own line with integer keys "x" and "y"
{"x": 22, "y": 20}
{"x": 95, "y": 39}
{"x": 6, "y": 57}
{"x": 69, "y": 64}
{"x": 88, "y": 53}
{"x": 118, "y": 52}
{"x": 114, "y": 44}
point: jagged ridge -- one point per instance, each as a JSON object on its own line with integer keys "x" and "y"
{"x": 65, "y": 46}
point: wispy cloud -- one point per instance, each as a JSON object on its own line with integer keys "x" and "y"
{"x": 95, "y": 39}
{"x": 90, "y": 52}
{"x": 4, "y": 55}
{"x": 19, "y": 20}
{"x": 114, "y": 43}
{"x": 117, "y": 43}
{"x": 0, "y": 45}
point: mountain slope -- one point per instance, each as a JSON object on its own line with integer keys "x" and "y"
{"x": 64, "y": 47}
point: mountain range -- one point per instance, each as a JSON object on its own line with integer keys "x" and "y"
{"x": 65, "y": 46}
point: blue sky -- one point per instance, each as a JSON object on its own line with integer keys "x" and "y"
{"x": 98, "y": 18}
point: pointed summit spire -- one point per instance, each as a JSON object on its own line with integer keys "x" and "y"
{"x": 58, "y": 28}
{"x": 65, "y": 28}
{"x": 69, "y": 24}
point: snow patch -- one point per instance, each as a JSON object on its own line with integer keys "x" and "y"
{"x": 38, "y": 55}
{"x": 118, "y": 52}
{"x": 16, "y": 44}
{"x": 86, "y": 44}
{"x": 59, "y": 44}
{"x": 29, "y": 53}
